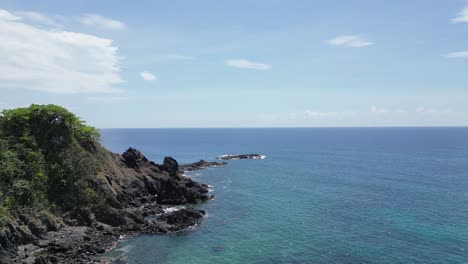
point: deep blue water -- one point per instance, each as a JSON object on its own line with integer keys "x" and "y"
{"x": 322, "y": 195}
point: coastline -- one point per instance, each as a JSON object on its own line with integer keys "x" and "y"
{"x": 138, "y": 194}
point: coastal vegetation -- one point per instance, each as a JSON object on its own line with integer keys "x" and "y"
{"x": 46, "y": 159}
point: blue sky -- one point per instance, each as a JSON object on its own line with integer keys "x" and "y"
{"x": 239, "y": 63}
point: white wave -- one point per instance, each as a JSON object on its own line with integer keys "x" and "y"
{"x": 125, "y": 249}
{"x": 210, "y": 188}
{"x": 173, "y": 209}
{"x": 263, "y": 157}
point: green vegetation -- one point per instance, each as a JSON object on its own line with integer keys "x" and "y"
{"x": 47, "y": 159}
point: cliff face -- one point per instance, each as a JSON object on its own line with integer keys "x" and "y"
{"x": 130, "y": 188}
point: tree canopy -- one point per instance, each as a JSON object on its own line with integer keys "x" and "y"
{"x": 47, "y": 158}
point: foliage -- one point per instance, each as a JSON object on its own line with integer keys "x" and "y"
{"x": 4, "y": 216}
{"x": 46, "y": 158}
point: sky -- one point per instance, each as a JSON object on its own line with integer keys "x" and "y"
{"x": 243, "y": 63}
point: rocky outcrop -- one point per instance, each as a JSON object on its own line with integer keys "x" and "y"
{"x": 133, "y": 189}
{"x": 201, "y": 164}
{"x": 131, "y": 179}
{"x": 184, "y": 218}
{"x": 240, "y": 156}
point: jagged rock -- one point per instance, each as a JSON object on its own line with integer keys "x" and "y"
{"x": 183, "y": 218}
{"x": 133, "y": 158}
{"x": 170, "y": 165}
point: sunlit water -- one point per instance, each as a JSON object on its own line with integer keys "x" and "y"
{"x": 324, "y": 195}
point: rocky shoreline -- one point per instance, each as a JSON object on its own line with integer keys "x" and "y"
{"x": 135, "y": 190}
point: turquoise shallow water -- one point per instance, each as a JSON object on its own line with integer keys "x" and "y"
{"x": 324, "y": 195}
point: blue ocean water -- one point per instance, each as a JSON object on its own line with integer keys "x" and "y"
{"x": 322, "y": 195}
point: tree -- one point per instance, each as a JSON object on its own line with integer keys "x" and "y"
{"x": 47, "y": 156}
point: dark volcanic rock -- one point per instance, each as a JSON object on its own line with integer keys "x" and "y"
{"x": 133, "y": 158}
{"x": 183, "y": 218}
{"x": 201, "y": 164}
{"x": 240, "y": 156}
{"x": 170, "y": 165}
{"x": 131, "y": 179}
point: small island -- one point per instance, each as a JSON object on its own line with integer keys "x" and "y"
{"x": 64, "y": 198}
{"x": 240, "y": 156}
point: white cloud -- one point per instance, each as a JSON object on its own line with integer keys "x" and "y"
{"x": 246, "y": 64}
{"x": 96, "y": 20}
{"x": 36, "y": 17}
{"x": 5, "y": 15}
{"x": 180, "y": 57}
{"x": 353, "y": 41}
{"x": 459, "y": 54}
{"x": 147, "y": 76}
{"x": 55, "y": 61}
{"x": 462, "y": 16}
{"x": 308, "y": 114}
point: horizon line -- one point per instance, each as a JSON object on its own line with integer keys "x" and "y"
{"x": 458, "y": 126}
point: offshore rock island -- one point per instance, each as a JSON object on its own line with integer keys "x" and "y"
{"x": 240, "y": 156}
{"x": 66, "y": 199}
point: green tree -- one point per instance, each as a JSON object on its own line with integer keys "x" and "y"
{"x": 47, "y": 156}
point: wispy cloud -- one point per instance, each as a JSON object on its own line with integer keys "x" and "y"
{"x": 180, "y": 57}
{"x": 96, "y": 20}
{"x": 5, "y": 15}
{"x": 419, "y": 110}
{"x": 309, "y": 114}
{"x": 37, "y": 18}
{"x": 353, "y": 41}
{"x": 459, "y": 54}
{"x": 425, "y": 110}
{"x": 147, "y": 76}
{"x": 462, "y": 16}
{"x": 246, "y": 64}
{"x": 54, "y": 60}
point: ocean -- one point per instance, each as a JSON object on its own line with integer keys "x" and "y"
{"x": 322, "y": 195}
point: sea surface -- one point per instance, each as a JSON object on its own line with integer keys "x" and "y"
{"x": 322, "y": 195}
